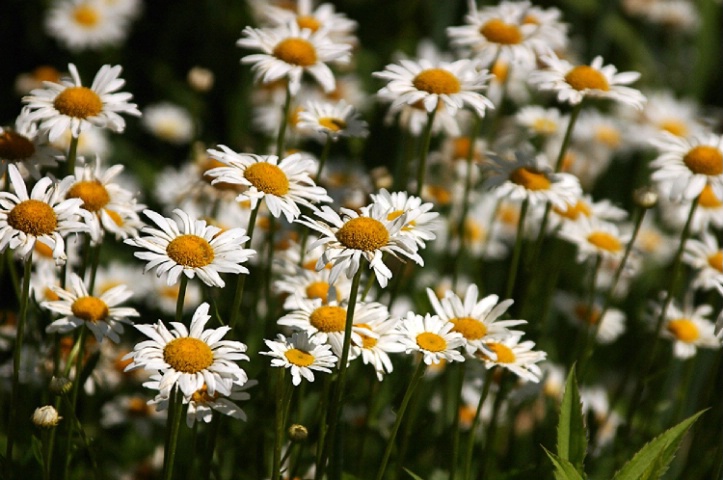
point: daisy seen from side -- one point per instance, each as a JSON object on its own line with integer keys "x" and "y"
{"x": 85, "y": 25}
{"x": 689, "y": 328}
{"x": 301, "y": 354}
{"x": 419, "y": 223}
{"x": 595, "y": 237}
{"x": 516, "y": 356}
{"x": 24, "y": 146}
{"x": 191, "y": 247}
{"x": 332, "y": 120}
{"x": 432, "y": 337}
{"x": 706, "y": 258}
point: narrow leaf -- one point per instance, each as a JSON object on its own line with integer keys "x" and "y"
{"x": 564, "y": 470}
{"x": 414, "y": 476}
{"x": 571, "y": 433}
{"x": 652, "y": 461}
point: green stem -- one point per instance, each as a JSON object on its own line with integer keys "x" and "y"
{"x": 324, "y": 156}
{"x": 19, "y": 337}
{"x": 416, "y": 377}
{"x": 517, "y": 250}
{"x": 492, "y": 429}
{"x": 427, "y": 139}
{"x": 238, "y": 296}
{"x": 282, "y": 126}
{"x": 281, "y": 388}
{"x": 584, "y": 339}
{"x": 475, "y": 422}
{"x": 80, "y": 343}
{"x": 207, "y": 459}
{"x": 174, "y": 426}
{"x": 72, "y": 155}
{"x": 84, "y": 437}
{"x": 455, "y": 420}
{"x": 268, "y": 270}
{"x": 181, "y": 297}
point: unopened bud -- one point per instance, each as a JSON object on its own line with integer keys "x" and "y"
{"x": 200, "y": 79}
{"x": 645, "y": 197}
{"x": 298, "y": 433}
{"x": 46, "y": 417}
{"x": 60, "y": 385}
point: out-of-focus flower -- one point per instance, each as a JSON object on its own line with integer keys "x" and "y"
{"x": 168, "y": 122}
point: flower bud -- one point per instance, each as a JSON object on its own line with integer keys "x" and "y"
{"x": 298, "y": 433}
{"x": 60, "y": 385}
{"x": 46, "y": 417}
{"x": 645, "y": 197}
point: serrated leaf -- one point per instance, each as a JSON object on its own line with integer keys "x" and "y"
{"x": 571, "y": 432}
{"x": 652, "y": 461}
{"x": 564, "y": 469}
{"x": 414, "y": 476}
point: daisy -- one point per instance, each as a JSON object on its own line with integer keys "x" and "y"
{"x": 595, "y": 237}
{"x": 586, "y": 207}
{"x": 706, "y": 257}
{"x": 477, "y": 321}
{"x": 339, "y": 27}
{"x": 332, "y": 120}
{"x": 69, "y": 105}
{"x": 529, "y": 177}
{"x": 355, "y": 236}
{"x": 454, "y": 85}
{"x": 516, "y": 356}
{"x": 576, "y": 310}
{"x": 189, "y": 359}
{"x": 381, "y": 339}
{"x": 282, "y": 184}
{"x": 26, "y": 148}
{"x": 43, "y": 215}
{"x": 168, "y": 122}
{"x": 432, "y": 337}
{"x": 85, "y": 24}
{"x": 100, "y": 314}
{"x": 574, "y": 83}
{"x": 131, "y": 410}
{"x": 289, "y": 51}
{"x": 305, "y": 284}
{"x": 686, "y": 165}
{"x": 545, "y": 122}
{"x": 191, "y": 247}
{"x": 689, "y": 329}
{"x": 327, "y": 321}
{"x": 301, "y": 354}
{"x": 419, "y": 223}
{"x": 663, "y": 112}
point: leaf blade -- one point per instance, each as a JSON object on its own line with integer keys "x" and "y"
{"x": 571, "y": 431}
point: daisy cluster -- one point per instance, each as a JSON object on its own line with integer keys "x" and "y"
{"x": 538, "y": 211}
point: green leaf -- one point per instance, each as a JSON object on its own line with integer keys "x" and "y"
{"x": 652, "y": 461}
{"x": 414, "y": 476}
{"x": 564, "y": 470}
{"x": 571, "y": 433}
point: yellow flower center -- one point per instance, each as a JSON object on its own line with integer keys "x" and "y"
{"x": 530, "y": 179}
{"x": 608, "y": 136}
{"x": 508, "y": 215}
{"x": 676, "y": 127}
{"x": 188, "y": 355}
{"x": 90, "y": 309}
{"x": 318, "y": 290}
{"x": 683, "y": 329}
{"x": 78, "y": 102}
{"x": 295, "y": 51}
{"x": 584, "y": 77}
{"x": 201, "y": 395}
{"x": 367, "y": 341}
{"x": 86, "y": 16}
{"x": 604, "y": 241}
{"x": 544, "y": 126}
{"x": 328, "y": 318}
{"x": 190, "y": 251}
{"x": 307, "y": 21}
{"x": 497, "y": 31}
{"x": 436, "y": 80}
{"x": 299, "y": 358}
{"x": 333, "y": 124}
{"x": 470, "y": 328}
{"x": 473, "y": 231}
{"x": 503, "y": 352}
{"x": 704, "y": 160}
{"x": 431, "y": 342}
{"x": 363, "y": 233}
{"x": 573, "y": 212}
{"x": 93, "y": 194}
{"x": 708, "y": 198}
{"x": 267, "y": 178}
{"x": 716, "y": 260}
{"x": 440, "y": 194}
{"x": 33, "y": 217}
{"x": 14, "y": 146}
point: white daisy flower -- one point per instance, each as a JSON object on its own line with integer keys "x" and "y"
{"x": 302, "y": 283}
{"x": 332, "y": 120}
{"x": 576, "y": 310}
{"x": 574, "y": 83}
{"x": 327, "y": 321}
{"x": 708, "y": 214}
{"x": 100, "y": 314}
{"x": 169, "y": 122}
{"x": 529, "y": 177}
{"x": 432, "y": 337}
{"x": 586, "y": 207}
{"x": 419, "y": 220}
{"x": 663, "y": 112}
{"x": 545, "y": 122}
{"x": 477, "y": 321}
{"x": 85, "y": 24}
{"x": 301, "y": 354}
{"x": 289, "y": 51}
{"x": 686, "y": 165}
{"x": 191, "y": 247}
{"x": 705, "y": 256}
{"x": 131, "y": 410}
{"x": 26, "y": 148}
{"x": 595, "y": 237}
{"x": 379, "y": 338}
{"x": 282, "y": 184}
{"x": 324, "y": 16}
{"x": 516, "y": 356}
{"x": 367, "y": 235}
{"x": 43, "y": 215}
{"x": 69, "y": 105}
{"x": 189, "y": 359}
{"x": 689, "y": 329}
{"x": 454, "y": 84}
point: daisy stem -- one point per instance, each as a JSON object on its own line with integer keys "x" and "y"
{"x": 584, "y": 340}
{"x": 13, "y": 273}
{"x": 427, "y": 140}
{"x": 455, "y": 419}
{"x": 283, "y": 400}
{"x": 181, "y": 298}
{"x": 337, "y": 396}
{"x": 416, "y": 377}
{"x": 268, "y": 271}
{"x": 282, "y": 125}
{"x": 324, "y": 156}
{"x": 17, "y": 350}
{"x": 173, "y": 425}
{"x": 86, "y": 441}
{"x": 475, "y": 422}
{"x": 72, "y": 155}
{"x": 326, "y": 387}
{"x": 238, "y": 296}
{"x": 207, "y": 459}
{"x": 72, "y": 404}
{"x": 641, "y": 380}
{"x": 492, "y": 428}
{"x": 517, "y": 250}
